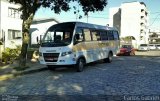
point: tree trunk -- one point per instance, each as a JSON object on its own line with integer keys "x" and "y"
{"x": 23, "y": 55}
{"x": 25, "y": 33}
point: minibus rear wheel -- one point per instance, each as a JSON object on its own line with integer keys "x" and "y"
{"x": 80, "y": 65}
{"x": 109, "y": 58}
{"x": 51, "y": 67}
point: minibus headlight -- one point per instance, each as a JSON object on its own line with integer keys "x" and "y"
{"x": 40, "y": 53}
{"x": 66, "y": 53}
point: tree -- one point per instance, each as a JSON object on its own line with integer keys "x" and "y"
{"x": 154, "y": 35}
{"x": 29, "y": 8}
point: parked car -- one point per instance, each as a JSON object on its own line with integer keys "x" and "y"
{"x": 143, "y": 47}
{"x": 126, "y": 50}
{"x": 152, "y": 46}
{"x": 158, "y": 47}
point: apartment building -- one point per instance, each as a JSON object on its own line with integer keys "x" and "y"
{"x": 10, "y": 24}
{"x": 131, "y": 19}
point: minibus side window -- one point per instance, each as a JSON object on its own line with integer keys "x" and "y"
{"x": 87, "y": 34}
{"x": 104, "y": 35}
{"x": 110, "y": 35}
{"x": 116, "y": 36}
{"x": 95, "y": 35}
{"x": 79, "y": 33}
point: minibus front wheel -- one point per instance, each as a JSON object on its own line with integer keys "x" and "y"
{"x": 80, "y": 64}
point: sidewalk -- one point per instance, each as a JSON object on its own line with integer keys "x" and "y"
{"x": 7, "y": 71}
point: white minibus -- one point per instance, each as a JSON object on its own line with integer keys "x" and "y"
{"x": 78, "y": 43}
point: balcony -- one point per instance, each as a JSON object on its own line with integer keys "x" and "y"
{"x": 142, "y": 25}
{"x": 142, "y": 34}
{"x": 144, "y": 13}
{"x": 143, "y": 20}
{"x": 142, "y": 31}
{"x": 141, "y": 37}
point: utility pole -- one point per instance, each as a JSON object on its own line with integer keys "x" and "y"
{"x": 76, "y": 12}
{"x": 87, "y": 17}
{"x": 0, "y": 51}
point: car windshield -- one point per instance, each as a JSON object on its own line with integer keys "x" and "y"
{"x": 126, "y": 46}
{"x": 143, "y": 45}
{"x": 58, "y": 35}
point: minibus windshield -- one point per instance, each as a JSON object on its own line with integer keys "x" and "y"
{"x": 58, "y": 35}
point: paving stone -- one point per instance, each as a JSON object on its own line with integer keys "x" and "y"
{"x": 124, "y": 76}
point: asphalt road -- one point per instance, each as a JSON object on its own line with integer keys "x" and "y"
{"x": 126, "y": 75}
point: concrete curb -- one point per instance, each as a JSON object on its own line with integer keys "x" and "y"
{"x": 19, "y": 73}
{"x": 9, "y": 72}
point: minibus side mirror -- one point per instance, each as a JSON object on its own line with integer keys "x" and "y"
{"x": 77, "y": 36}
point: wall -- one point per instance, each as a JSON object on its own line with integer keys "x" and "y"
{"x": 128, "y": 20}
{"x": 9, "y": 23}
{"x": 115, "y": 18}
{"x": 39, "y": 29}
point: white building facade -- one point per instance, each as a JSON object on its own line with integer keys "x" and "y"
{"x": 132, "y": 21}
{"x": 10, "y": 24}
{"x": 38, "y": 29}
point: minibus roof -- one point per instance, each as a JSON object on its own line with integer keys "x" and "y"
{"x": 92, "y": 26}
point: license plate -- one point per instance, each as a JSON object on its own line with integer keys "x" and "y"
{"x": 51, "y": 59}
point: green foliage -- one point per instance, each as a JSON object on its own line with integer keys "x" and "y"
{"x": 9, "y": 55}
{"x": 31, "y": 6}
{"x": 158, "y": 40}
{"x": 1, "y": 43}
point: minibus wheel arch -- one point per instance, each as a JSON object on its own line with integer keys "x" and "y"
{"x": 109, "y": 58}
{"x": 82, "y": 58}
{"x": 80, "y": 64}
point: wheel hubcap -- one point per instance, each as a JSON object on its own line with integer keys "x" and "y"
{"x": 81, "y": 64}
{"x": 110, "y": 57}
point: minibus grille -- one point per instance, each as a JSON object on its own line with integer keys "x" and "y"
{"x": 50, "y": 57}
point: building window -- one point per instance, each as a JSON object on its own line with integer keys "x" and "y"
{"x": 142, "y": 10}
{"x": 146, "y": 13}
{"x": 142, "y": 24}
{"x": 14, "y": 34}
{"x": 141, "y": 31}
{"x": 142, "y": 17}
{"x": 13, "y": 13}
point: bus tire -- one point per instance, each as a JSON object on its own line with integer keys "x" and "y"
{"x": 109, "y": 58}
{"x": 51, "y": 67}
{"x": 80, "y": 65}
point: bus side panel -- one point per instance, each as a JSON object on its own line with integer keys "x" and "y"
{"x": 89, "y": 50}
{"x": 106, "y": 46}
{"x": 103, "y": 49}
{"x": 80, "y": 49}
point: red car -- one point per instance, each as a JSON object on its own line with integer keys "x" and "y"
{"x": 126, "y": 50}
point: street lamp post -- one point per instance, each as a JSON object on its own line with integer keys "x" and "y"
{"x": 1, "y": 51}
